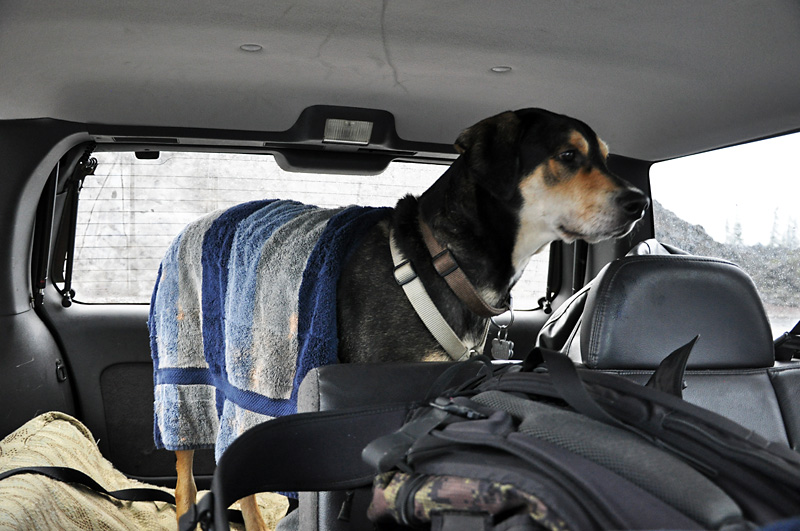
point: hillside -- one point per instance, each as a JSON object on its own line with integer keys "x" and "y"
{"x": 774, "y": 269}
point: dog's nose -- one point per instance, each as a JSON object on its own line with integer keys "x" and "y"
{"x": 633, "y": 203}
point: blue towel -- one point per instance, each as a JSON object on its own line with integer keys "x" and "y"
{"x": 244, "y": 306}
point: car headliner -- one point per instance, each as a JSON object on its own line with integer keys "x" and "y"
{"x": 656, "y": 79}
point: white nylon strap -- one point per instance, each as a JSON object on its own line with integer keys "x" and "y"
{"x": 434, "y": 321}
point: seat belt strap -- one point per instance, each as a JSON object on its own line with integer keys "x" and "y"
{"x": 74, "y": 476}
{"x": 77, "y": 477}
{"x": 787, "y": 347}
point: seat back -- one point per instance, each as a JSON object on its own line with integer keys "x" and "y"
{"x": 351, "y": 385}
{"x": 641, "y": 307}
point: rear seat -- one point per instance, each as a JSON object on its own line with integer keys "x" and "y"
{"x": 638, "y": 310}
{"x": 645, "y": 305}
{"x": 348, "y": 385}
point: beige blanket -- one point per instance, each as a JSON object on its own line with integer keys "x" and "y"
{"x": 30, "y": 501}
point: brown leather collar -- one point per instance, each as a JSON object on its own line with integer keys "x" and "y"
{"x": 445, "y": 264}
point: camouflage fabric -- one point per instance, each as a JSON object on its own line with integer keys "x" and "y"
{"x": 450, "y": 493}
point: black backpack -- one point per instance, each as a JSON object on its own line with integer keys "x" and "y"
{"x": 568, "y": 449}
{"x": 537, "y": 445}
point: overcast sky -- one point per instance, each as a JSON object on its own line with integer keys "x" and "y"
{"x": 750, "y": 184}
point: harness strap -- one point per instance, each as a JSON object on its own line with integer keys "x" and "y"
{"x": 434, "y": 321}
{"x": 447, "y": 267}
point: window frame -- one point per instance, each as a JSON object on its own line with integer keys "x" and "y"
{"x": 65, "y": 241}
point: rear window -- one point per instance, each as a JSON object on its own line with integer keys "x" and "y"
{"x": 131, "y": 209}
{"x": 740, "y": 204}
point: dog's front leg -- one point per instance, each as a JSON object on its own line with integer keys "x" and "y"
{"x": 185, "y": 487}
{"x": 186, "y": 494}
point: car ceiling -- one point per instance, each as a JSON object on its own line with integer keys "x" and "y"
{"x": 656, "y": 79}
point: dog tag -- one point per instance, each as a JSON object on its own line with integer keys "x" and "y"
{"x": 502, "y": 349}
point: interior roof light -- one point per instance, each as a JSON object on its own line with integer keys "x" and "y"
{"x": 347, "y": 131}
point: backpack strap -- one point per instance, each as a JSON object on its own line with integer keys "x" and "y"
{"x": 455, "y": 521}
{"x": 269, "y": 457}
{"x": 667, "y": 378}
{"x": 388, "y": 451}
{"x": 569, "y": 385}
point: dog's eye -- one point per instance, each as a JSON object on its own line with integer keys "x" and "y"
{"x": 567, "y": 156}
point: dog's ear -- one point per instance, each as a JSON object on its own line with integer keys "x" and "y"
{"x": 491, "y": 151}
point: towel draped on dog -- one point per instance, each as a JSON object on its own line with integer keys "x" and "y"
{"x": 244, "y": 306}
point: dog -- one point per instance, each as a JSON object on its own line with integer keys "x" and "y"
{"x": 522, "y": 180}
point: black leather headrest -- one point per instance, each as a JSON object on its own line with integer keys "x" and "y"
{"x": 559, "y": 332}
{"x": 641, "y": 308}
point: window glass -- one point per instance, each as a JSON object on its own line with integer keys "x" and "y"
{"x": 130, "y": 210}
{"x": 740, "y": 204}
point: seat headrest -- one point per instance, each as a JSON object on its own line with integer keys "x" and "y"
{"x": 559, "y": 332}
{"x": 641, "y": 308}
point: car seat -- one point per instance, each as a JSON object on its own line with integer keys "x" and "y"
{"x": 643, "y": 306}
{"x": 638, "y": 310}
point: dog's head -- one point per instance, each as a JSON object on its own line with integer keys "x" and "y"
{"x": 553, "y": 169}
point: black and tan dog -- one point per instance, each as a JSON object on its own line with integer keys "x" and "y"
{"x": 523, "y": 179}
